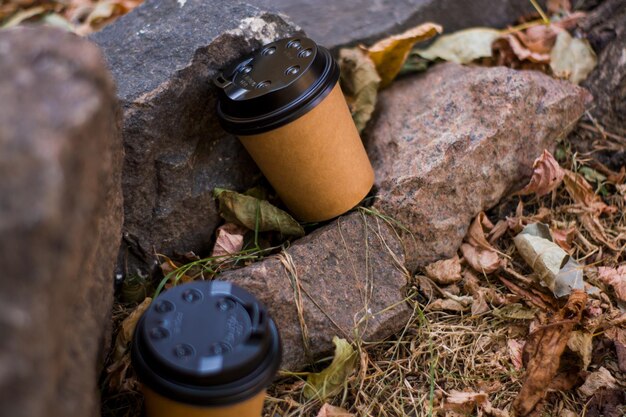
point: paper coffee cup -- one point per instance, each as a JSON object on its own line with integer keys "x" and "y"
{"x": 285, "y": 105}
{"x": 205, "y": 349}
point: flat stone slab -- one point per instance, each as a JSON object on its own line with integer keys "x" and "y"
{"x": 60, "y": 221}
{"x": 345, "y": 279}
{"x": 451, "y": 142}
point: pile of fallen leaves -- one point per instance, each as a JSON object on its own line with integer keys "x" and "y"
{"x": 80, "y": 16}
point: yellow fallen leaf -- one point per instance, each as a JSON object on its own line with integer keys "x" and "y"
{"x": 329, "y": 382}
{"x": 390, "y": 53}
{"x": 572, "y": 58}
{"x": 463, "y": 46}
{"x": 128, "y": 328}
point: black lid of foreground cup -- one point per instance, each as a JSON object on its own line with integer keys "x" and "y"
{"x": 274, "y": 85}
{"x": 206, "y": 343}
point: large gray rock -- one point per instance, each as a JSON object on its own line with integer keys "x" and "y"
{"x": 450, "y": 143}
{"x": 163, "y": 56}
{"x": 60, "y": 220}
{"x": 339, "y": 23}
{"x": 606, "y": 29}
{"x": 348, "y": 277}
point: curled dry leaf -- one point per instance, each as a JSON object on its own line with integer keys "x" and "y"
{"x": 463, "y": 46}
{"x": 329, "y": 382}
{"x": 542, "y": 353}
{"x": 616, "y": 278}
{"x": 229, "y": 239}
{"x": 601, "y": 378}
{"x": 515, "y": 348}
{"x": 446, "y": 304}
{"x": 582, "y": 193}
{"x": 564, "y": 237}
{"x": 482, "y": 260}
{"x": 580, "y": 342}
{"x": 359, "y": 82}
{"x": 252, "y": 212}
{"x": 553, "y": 267}
{"x": 390, "y": 53}
{"x": 464, "y": 403}
{"x": 522, "y": 52}
{"x": 116, "y": 371}
{"x": 547, "y": 175}
{"x": 618, "y": 336}
{"x": 328, "y": 410}
{"x": 572, "y": 58}
{"x": 445, "y": 272}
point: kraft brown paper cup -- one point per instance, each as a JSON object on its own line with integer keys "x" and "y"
{"x": 159, "y": 406}
{"x": 285, "y": 105}
{"x": 205, "y": 349}
{"x": 317, "y": 164}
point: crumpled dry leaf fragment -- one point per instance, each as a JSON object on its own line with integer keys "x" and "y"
{"x": 542, "y": 353}
{"x": 390, "y": 53}
{"x": 446, "y": 304}
{"x": 481, "y": 260}
{"x": 328, "y": 410}
{"x": 582, "y": 193}
{"x": 547, "y": 175}
{"x": 463, "y": 46}
{"x": 601, "y": 378}
{"x": 444, "y": 272}
{"x": 557, "y": 6}
{"x": 465, "y": 403}
{"x": 580, "y": 342}
{"x": 522, "y": 52}
{"x": 553, "y": 267}
{"x": 616, "y": 278}
{"x": 329, "y": 382}
{"x": 572, "y": 58}
{"x": 515, "y": 311}
{"x": 515, "y": 348}
{"x": 618, "y": 336}
{"x": 251, "y": 212}
{"x": 116, "y": 371}
{"x": 478, "y": 252}
{"x": 229, "y": 239}
{"x": 359, "y": 82}
{"x": 563, "y": 237}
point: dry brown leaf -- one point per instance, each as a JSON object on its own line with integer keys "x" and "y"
{"x": 328, "y": 410}
{"x": 446, "y": 304}
{"x": 476, "y": 234}
{"x": 445, "y": 272}
{"x": 523, "y": 53}
{"x": 464, "y": 403}
{"x": 390, "y": 53}
{"x": 582, "y": 193}
{"x": 359, "y": 82}
{"x": 592, "y": 225}
{"x": 618, "y": 336}
{"x": 563, "y": 237}
{"x": 481, "y": 260}
{"x": 547, "y": 175}
{"x": 516, "y": 347}
{"x": 116, "y": 371}
{"x": 229, "y": 239}
{"x": 616, "y": 278}
{"x": 542, "y": 353}
{"x": 580, "y": 342}
{"x": 601, "y": 378}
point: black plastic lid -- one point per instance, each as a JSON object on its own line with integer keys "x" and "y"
{"x": 206, "y": 343}
{"x": 274, "y": 85}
